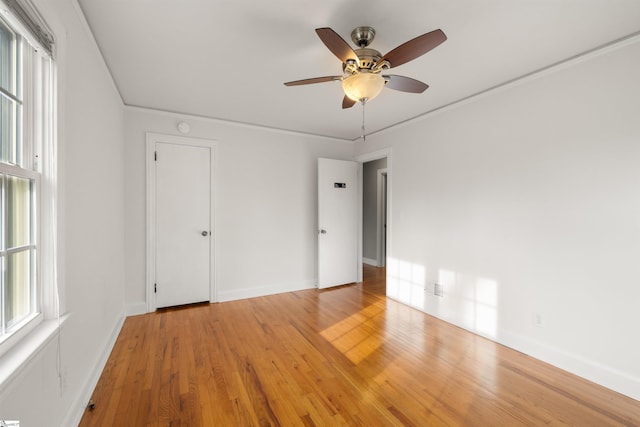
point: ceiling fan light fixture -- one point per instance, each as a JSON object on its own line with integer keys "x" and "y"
{"x": 363, "y": 86}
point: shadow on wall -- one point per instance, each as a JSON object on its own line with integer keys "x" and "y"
{"x": 471, "y": 302}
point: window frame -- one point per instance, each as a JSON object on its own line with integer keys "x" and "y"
{"x": 35, "y": 90}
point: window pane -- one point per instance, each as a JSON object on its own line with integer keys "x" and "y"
{"x": 17, "y": 287}
{"x": 7, "y": 59}
{"x": 8, "y": 127}
{"x": 9, "y": 108}
{"x": 18, "y": 214}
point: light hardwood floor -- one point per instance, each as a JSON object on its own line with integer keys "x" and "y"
{"x": 345, "y": 356}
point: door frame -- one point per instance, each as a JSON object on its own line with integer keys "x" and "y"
{"x": 361, "y": 159}
{"x": 151, "y": 140}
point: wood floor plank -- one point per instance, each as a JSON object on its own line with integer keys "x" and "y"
{"x": 344, "y": 356}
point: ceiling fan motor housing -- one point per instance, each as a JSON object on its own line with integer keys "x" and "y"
{"x": 368, "y": 59}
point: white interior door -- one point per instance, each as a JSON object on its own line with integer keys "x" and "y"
{"x": 337, "y": 222}
{"x": 182, "y": 224}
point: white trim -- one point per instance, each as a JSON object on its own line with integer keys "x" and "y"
{"x": 135, "y": 309}
{"x": 19, "y": 331}
{"x": 606, "y": 376}
{"x": 244, "y": 125}
{"x": 151, "y": 235}
{"x": 360, "y": 222}
{"x": 79, "y": 402}
{"x": 16, "y": 23}
{"x": 598, "y": 373}
{"x": 16, "y": 359}
{"x": 370, "y": 261}
{"x": 374, "y": 155}
{"x": 152, "y": 139}
{"x": 253, "y": 292}
{"x": 17, "y": 171}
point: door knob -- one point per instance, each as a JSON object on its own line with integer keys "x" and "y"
{"x": 323, "y": 231}
{"x": 205, "y": 233}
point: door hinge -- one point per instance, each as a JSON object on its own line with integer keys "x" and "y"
{"x": 155, "y": 288}
{"x": 155, "y": 156}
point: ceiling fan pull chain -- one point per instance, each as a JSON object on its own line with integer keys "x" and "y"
{"x": 364, "y": 135}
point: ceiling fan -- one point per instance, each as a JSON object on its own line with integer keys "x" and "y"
{"x": 363, "y": 68}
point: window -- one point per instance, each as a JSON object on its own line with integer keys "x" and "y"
{"x": 25, "y": 134}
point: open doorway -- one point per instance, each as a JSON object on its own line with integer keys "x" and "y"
{"x": 375, "y": 222}
{"x": 374, "y": 212}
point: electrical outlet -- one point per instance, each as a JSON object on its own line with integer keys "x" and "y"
{"x": 438, "y": 290}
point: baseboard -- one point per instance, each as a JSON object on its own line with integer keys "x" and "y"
{"x": 79, "y": 403}
{"x": 370, "y": 261}
{"x": 603, "y": 375}
{"x": 135, "y": 309}
{"x": 598, "y": 373}
{"x": 236, "y": 294}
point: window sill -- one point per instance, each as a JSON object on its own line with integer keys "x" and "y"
{"x": 20, "y": 354}
{"x": 22, "y": 330}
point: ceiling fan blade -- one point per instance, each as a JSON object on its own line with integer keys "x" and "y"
{"x": 312, "y": 80}
{"x": 414, "y": 48}
{"x": 405, "y": 84}
{"x": 336, "y": 44}
{"x": 347, "y": 102}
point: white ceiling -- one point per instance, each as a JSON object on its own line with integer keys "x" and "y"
{"x": 228, "y": 59}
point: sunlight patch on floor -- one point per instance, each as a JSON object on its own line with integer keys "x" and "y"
{"x": 356, "y": 336}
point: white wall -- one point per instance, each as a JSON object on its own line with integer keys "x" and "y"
{"x": 265, "y": 204}
{"x": 523, "y": 203}
{"x": 91, "y": 238}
